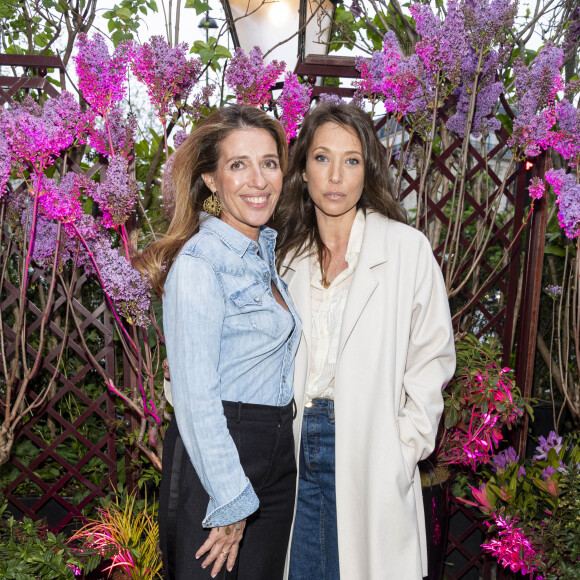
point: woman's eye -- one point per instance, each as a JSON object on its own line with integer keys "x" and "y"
{"x": 353, "y": 161}
{"x": 236, "y": 165}
{"x": 271, "y": 164}
{"x": 320, "y": 158}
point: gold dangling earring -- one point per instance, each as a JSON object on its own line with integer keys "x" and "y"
{"x": 212, "y": 205}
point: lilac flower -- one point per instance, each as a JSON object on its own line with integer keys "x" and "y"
{"x": 568, "y": 199}
{"x": 102, "y": 77}
{"x": 250, "y": 79}
{"x": 553, "y": 291}
{"x": 121, "y": 131}
{"x": 504, "y": 459}
{"x": 62, "y": 201}
{"x": 334, "y": 99}
{"x": 5, "y": 164}
{"x": 166, "y": 72}
{"x": 552, "y": 442}
{"x": 442, "y": 44}
{"x": 488, "y": 93}
{"x": 536, "y": 89}
{"x": 117, "y": 195}
{"x": 44, "y": 242}
{"x": 122, "y": 283}
{"x": 294, "y": 102}
{"x": 572, "y": 34}
{"x": 179, "y": 138}
{"x": 536, "y": 188}
{"x": 488, "y": 21}
{"x": 566, "y": 141}
{"x": 37, "y": 135}
{"x": 521, "y": 471}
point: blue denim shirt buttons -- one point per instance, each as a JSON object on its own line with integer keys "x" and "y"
{"x": 227, "y": 339}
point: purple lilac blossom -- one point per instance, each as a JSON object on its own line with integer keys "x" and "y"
{"x": 572, "y": 40}
{"x": 89, "y": 245}
{"x": 567, "y": 192}
{"x": 552, "y": 442}
{"x": 566, "y": 140}
{"x": 536, "y": 188}
{"x": 5, "y": 163}
{"x": 102, "y": 77}
{"x": 442, "y": 44}
{"x": 504, "y": 459}
{"x": 334, "y": 99}
{"x": 117, "y": 195}
{"x": 488, "y": 21}
{"x": 62, "y": 201}
{"x": 553, "y": 291}
{"x": 44, "y": 242}
{"x": 37, "y": 135}
{"x": 250, "y": 79}
{"x": 166, "y": 72}
{"x": 547, "y": 472}
{"x": 179, "y": 138}
{"x": 536, "y": 89}
{"x": 488, "y": 92}
{"x": 122, "y": 134}
{"x": 294, "y": 102}
{"x": 521, "y": 471}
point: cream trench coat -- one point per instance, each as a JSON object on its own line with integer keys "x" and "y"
{"x": 396, "y": 353}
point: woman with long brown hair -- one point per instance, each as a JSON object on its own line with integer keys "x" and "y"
{"x": 377, "y": 349}
{"x": 228, "y": 483}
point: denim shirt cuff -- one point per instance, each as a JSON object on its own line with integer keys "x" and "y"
{"x": 235, "y": 510}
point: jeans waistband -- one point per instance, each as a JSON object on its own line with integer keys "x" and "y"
{"x": 253, "y": 412}
{"x": 320, "y": 406}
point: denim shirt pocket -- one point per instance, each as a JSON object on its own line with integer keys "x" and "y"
{"x": 256, "y": 307}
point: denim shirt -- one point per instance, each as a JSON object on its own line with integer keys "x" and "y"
{"x": 227, "y": 339}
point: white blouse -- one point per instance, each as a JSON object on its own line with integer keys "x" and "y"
{"x": 327, "y": 312}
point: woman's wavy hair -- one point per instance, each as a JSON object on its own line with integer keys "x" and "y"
{"x": 295, "y": 219}
{"x": 199, "y": 154}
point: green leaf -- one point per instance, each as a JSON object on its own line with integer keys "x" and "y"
{"x": 199, "y": 5}
{"x": 123, "y": 13}
{"x": 555, "y": 251}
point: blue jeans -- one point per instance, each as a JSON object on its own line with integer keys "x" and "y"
{"x": 314, "y": 553}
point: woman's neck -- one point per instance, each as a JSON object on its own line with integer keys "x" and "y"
{"x": 335, "y": 230}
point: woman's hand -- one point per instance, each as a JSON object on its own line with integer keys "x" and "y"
{"x": 223, "y": 544}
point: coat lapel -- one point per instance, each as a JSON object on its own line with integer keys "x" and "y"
{"x": 364, "y": 282}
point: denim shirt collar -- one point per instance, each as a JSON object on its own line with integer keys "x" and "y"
{"x": 235, "y": 240}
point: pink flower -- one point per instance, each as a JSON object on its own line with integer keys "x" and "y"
{"x": 295, "y": 102}
{"x": 102, "y": 77}
{"x": 166, "y": 72}
{"x": 537, "y": 188}
{"x": 250, "y": 79}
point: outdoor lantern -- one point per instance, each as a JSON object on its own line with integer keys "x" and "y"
{"x": 304, "y": 24}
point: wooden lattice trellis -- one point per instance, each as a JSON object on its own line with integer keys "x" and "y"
{"x": 65, "y": 455}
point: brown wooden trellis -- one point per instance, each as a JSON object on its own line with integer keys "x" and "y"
{"x": 74, "y": 484}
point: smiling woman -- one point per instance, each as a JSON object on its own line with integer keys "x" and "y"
{"x": 248, "y": 180}
{"x": 231, "y": 334}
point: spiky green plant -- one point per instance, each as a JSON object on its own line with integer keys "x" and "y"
{"x": 126, "y": 531}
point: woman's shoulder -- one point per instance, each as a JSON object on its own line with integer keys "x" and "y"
{"x": 395, "y": 232}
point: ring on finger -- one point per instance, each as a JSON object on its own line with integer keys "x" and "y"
{"x": 224, "y": 555}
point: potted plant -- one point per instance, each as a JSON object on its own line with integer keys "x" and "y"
{"x": 125, "y": 533}
{"x": 532, "y": 508}
{"x": 480, "y": 402}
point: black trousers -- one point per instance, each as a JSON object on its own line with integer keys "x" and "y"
{"x": 265, "y": 443}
